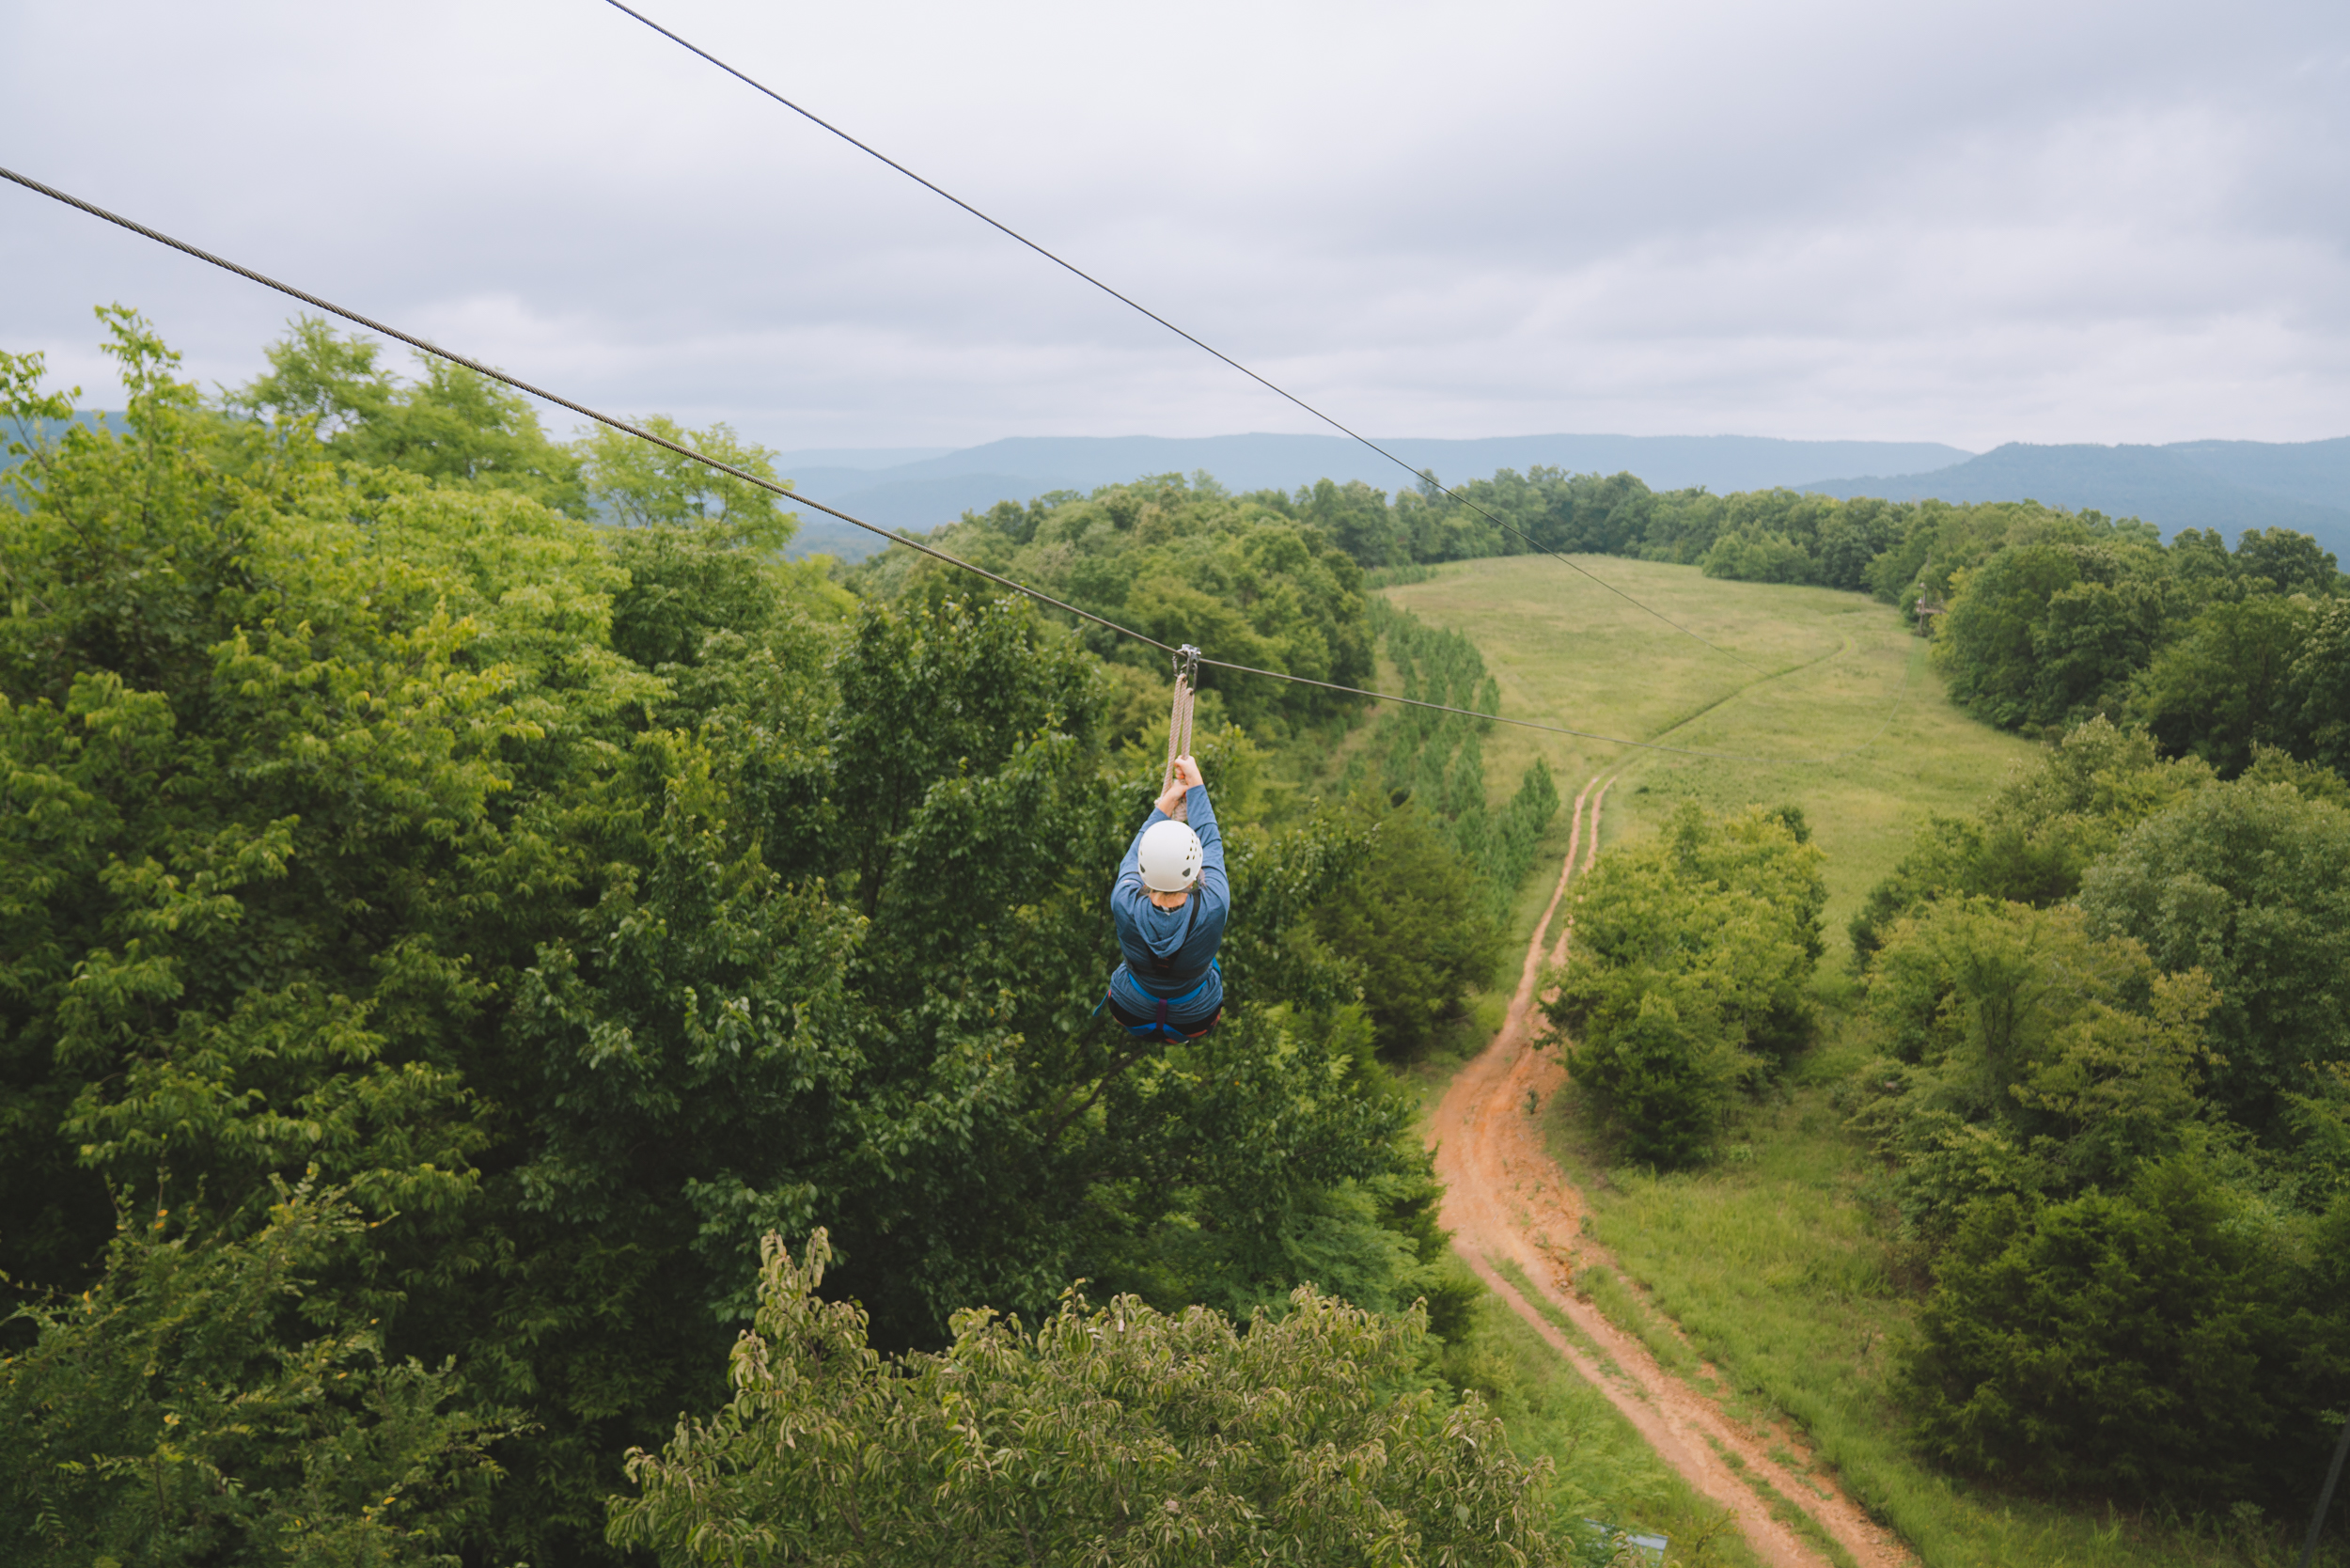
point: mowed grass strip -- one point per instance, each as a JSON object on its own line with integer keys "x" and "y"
{"x": 1831, "y": 669}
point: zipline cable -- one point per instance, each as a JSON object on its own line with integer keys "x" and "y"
{"x": 682, "y": 450}
{"x": 1074, "y": 269}
{"x": 520, "y": 385}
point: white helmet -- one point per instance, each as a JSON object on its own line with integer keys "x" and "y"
{"x": 1171, "y": 857}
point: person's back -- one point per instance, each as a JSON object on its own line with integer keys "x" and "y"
{"x": 1170, "y": 904}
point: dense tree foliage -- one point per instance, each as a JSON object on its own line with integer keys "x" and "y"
{"x": 2249, "y": 883}
{"x": 576, "y": 904}
{"x": 452, "y": 426}
{"x": 1693, "y": 954}
{"x": 1420, "y": 924}
{"x": 1113, "y": 1434}
{"x": 2115, "y": 1099}
{"x": 1181, "y": 561}
{"x": 2027, "y": 1054}
{"x": 2168, "y": 1340}
{"x": 201, "y": 1405}
{"x": 2217, "y": 655}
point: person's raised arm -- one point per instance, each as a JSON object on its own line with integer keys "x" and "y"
{"x": 1186, "y": 779}
{"x": 1202, "y": 817}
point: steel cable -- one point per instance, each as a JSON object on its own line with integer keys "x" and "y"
{"x": 682, "y": 450}
{"x": 1131, "y": 303}
{"x": 520, "y": 385}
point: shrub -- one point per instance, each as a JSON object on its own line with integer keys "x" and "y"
{"x": 1692, "y": 954}
{"x": 1111, "y": 1433}
{"x": 2162, "y": 1342}
{"x": 200, "y": 1405}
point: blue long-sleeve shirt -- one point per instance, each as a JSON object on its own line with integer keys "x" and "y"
{"x": 1186, "y": 940}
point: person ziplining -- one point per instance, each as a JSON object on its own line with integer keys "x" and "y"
{"x": 1171, "y": 900}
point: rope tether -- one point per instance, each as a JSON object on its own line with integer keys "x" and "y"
{"x": 1179, "y": 722}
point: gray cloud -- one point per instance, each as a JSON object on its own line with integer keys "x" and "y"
{"x": 1969, "y": 223}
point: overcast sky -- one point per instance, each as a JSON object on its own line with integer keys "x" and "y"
{"x": 1973, "y": 223}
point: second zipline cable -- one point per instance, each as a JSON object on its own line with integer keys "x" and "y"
{"x": 1133, "y": 304}
{"x": 625, "y": 427}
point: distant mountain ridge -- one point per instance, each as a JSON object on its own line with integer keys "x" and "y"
{"x": 924, "y": 493}
{"x": 2227, "y": 485}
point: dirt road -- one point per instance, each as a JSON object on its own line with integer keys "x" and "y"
{"x": 1507, "y": 1200}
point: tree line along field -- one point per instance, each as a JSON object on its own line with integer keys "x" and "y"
{"x": 479, "y": 929}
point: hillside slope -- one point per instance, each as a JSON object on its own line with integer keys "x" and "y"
{"x": 1833, "y": 673}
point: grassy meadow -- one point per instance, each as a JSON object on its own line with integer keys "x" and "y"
{"x": 1827, "y": 673}
{"x": 1774, "y": 1270}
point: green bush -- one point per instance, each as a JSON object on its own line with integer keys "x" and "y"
{"x": 1691, "y": 961}
{"x": 2025, "y": 1054}
{"x": 1420, "y": 922}
{"x": 1112, "y": 1433}
{"x": 1184, "y": 562}
{"x": 2246, "y": 882}
{"x": 1759, "y": 557}
{"x": 2168, "y": 1342}
{"x": 2224, "y": 687}
{"x": 200, "y": 1405}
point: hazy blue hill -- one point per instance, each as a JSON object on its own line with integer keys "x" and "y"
{"x": 1259, "y": 461}
{"x": 2228, "y": 485}
{"x": 2314, "y": 471}
{"x": 931, "y": 490}
{"x": 919, "y": 505}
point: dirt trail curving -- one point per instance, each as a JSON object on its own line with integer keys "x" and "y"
{"x": 1506, "y": 1201}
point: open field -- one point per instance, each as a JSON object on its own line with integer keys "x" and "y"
{"x": 1829, "y": 680}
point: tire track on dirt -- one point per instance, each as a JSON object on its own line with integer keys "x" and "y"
{"x": 1507, "y": 1201}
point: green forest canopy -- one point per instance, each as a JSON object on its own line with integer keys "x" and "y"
{"x": 473, "y": 928}
{"x": 461, "y": 893}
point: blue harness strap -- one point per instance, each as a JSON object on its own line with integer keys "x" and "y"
{"x": 1161, "y": 1026}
